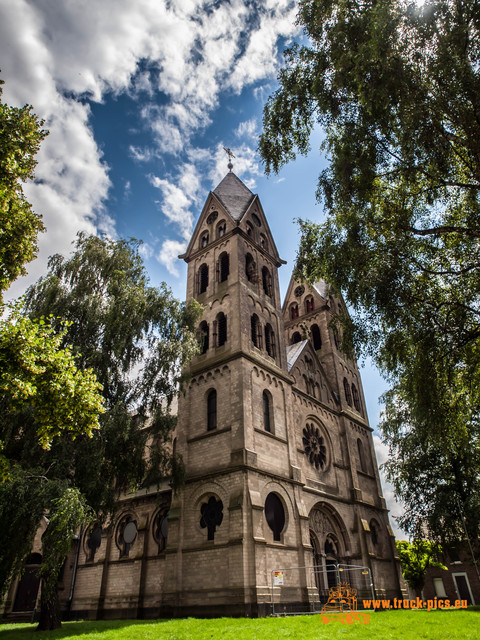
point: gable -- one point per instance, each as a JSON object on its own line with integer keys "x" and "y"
{"x": 212, "y": 218}
{"x": 298, "y": 292}
{"x": 304, "y": 364}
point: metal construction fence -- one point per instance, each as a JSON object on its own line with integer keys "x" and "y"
{"x": 298, "y": 590}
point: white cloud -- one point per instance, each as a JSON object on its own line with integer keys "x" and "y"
{"x": 177, "y": 199}
{"x": 396, "y": 508}
{"x": 247, "y": 129}
{"x": 145, "y": 250}
{"x": 59, "y": 55}
{"x": 168, "y": 255}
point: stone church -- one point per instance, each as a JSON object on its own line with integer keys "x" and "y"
{"x": 273, "y": 430}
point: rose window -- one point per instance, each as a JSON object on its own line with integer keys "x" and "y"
{"x": 314, "y": 447}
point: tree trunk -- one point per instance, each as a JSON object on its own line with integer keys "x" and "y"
{"x": 49, "y": 609}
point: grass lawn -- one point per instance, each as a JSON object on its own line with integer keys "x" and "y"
{"x": 384, "y": 625}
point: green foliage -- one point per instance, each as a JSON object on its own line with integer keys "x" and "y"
{"x": 395, "y": 87}
{"x": 416, "y": 557}
{"x": 68, "y": 511}
{"x": 22, "y": 505}
{"x": 35, "y": 371}
{"x": 135, "y": 339}
{"x": 20, "y": 136}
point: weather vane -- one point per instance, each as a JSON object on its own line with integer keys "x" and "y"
{"x": 230, "y": 155}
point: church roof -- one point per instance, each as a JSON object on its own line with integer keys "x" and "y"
{"x": 322, "y": 288}
{"x": 293, "y": 351}
{"x": 234, "y": 195}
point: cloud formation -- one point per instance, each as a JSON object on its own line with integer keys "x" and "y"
{"x": 178, "y": 56}
{"x": 396, "y": 508}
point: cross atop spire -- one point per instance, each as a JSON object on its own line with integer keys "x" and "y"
{"x": 230, "y": 155}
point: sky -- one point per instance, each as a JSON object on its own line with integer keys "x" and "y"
{"x": 140, "y": 98}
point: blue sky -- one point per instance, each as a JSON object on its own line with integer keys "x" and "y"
{"x": 140, "y": 98}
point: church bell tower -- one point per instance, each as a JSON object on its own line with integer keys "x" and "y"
{"x": 246, "y": 427}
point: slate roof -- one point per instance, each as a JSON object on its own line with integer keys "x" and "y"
{"x": 234, "y": 195}
{"x": 322, "y": 288}
{"x": 293, "y": 351}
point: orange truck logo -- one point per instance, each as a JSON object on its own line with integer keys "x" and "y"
{"x": 342, "y": 606}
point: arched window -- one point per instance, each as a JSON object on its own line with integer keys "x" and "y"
{"x": 204, "y": 337}
{"x": 267, "y": 422}
{"x": 256, "y": 331}
{"x": 212, "y": 410}
{"x": 160, "y": 529}
{"x": 270, "y": 341}
{"x": 361, "y": 456}
{"x": 212, "y": 516}
{"x": 293, "y": 311}
{"x": 204, "y": 239}
{"x": 220, "y": 329}
{"x": 331, "y": 547}
{"x": 296, "y": 337}
{"x": 348, "y": 395}
{"x": 267, "y": 281}
{"x": 375, "y": 534}
{"x": 316, "y": 339}
{"x": 202, "y": 278}
{"x": 93, "y": 540}
{"x": 356, "y": 398}
{"x": 249, "y": 229}
{"x": 212, "y": 217}
{"x": 223, "y": 267}
{"x": 221, "y": 228}
{"x": 309, "y": 304}
{"x": 250, "y": 268}
{"x": 126, "y": 535}
{"x": 275, "y": 515}
{"x": 263, "y": 242}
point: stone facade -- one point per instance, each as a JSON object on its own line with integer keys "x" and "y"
{"x": 272, "y": 427}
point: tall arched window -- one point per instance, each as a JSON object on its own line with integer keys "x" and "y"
{"x": 221, "y": 228}
{"x": 256, "y": 331}
{"x": 296, "y": 338}
{"x": 221, "y": 329}
{"x": 223, "y": 267}
{"x": 293, "y": 311}
{"x": 267, "y": 422}
{"x": 270, "y": 341}
{"x": 212, "y": 410}
{"x": 267, "y": 281}
{"x": 263, "y": 242}
{"x": 249, "y": 229}
{"x": 204, "y": 337}
{"x": 250, "y": 268}
{"x": 348, "y": 395}
{"x": 275, "y": 515}
{"x": 202, "y": 278}
{"x": 309, "y": 304}
{"x": 316, "y": 339}
{"x": 204, "y": 239}
{"x": 356, "y": 398}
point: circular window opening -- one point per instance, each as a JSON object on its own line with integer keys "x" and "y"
{"x": 275, "y": 515}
